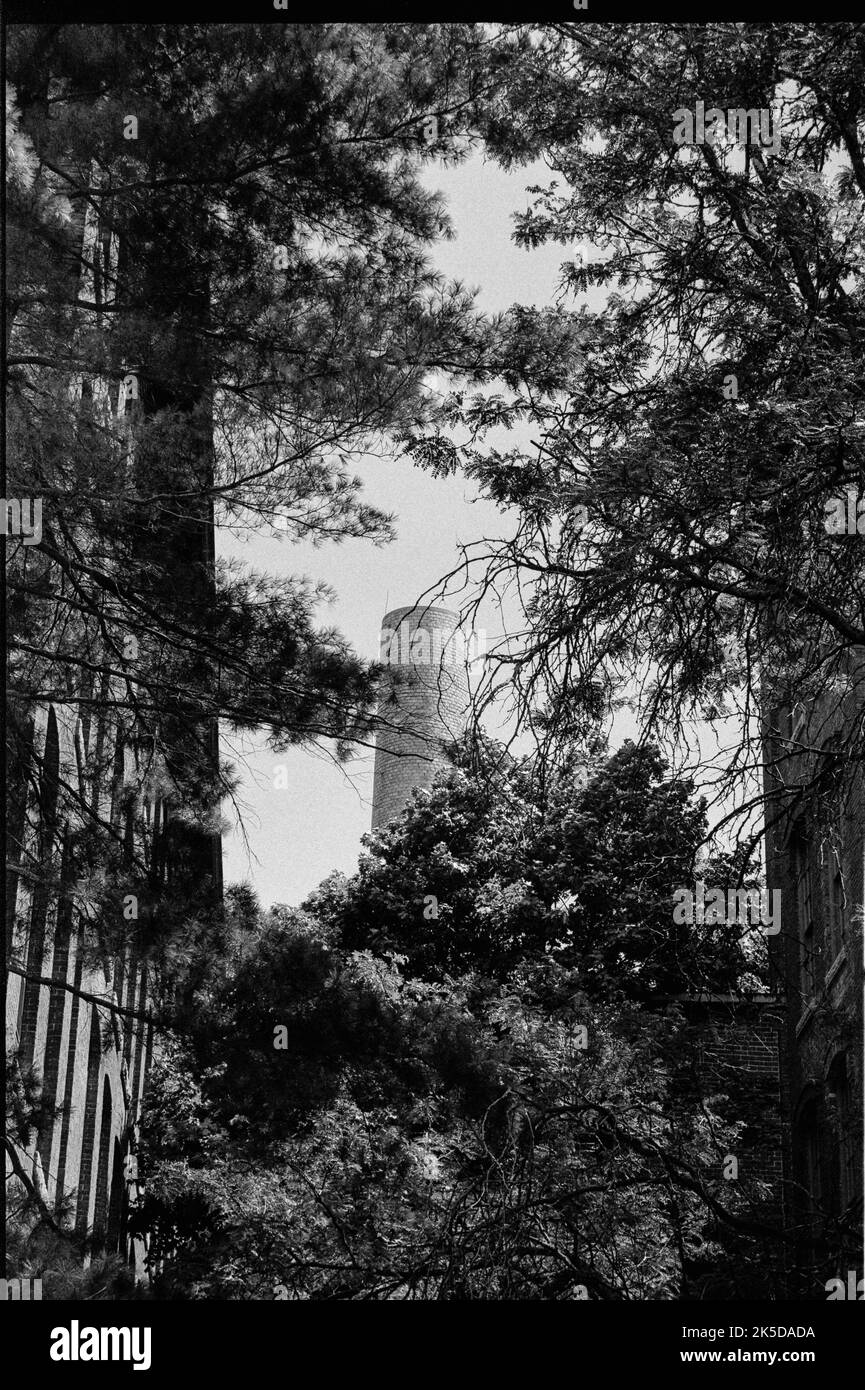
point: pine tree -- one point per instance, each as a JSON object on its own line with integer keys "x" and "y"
{"x": 678, "y": 519}
{"x": 219, "y": 296}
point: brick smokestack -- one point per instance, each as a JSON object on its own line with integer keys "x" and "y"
{"x": 425, "y": 704}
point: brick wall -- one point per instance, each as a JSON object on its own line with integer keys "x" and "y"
{"x": 815, "y": 855}
{"x": 84, "y": 1058}
{"x": 736, "y": 1048}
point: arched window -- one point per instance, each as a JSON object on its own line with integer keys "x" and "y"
{"x": 836, "y": 901}
{"x": 809, "y": 1165}
{"x": 843, "y": 1145}
{"x": 116, "y": 1198}
{"x": 49, "y": 782}
{"x": 104, "y": 1170}
{"x": 802, "y": 884}
{"x": 88, "y": 1142}
{"x": 59, "y": 1003}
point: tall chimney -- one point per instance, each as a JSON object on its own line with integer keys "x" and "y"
{"x": 424, "y": 704}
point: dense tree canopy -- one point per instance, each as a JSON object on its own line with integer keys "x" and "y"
{"x": 360, "y": 1109}
{"x": 672, "y": 510}
{"x": 467, "y": 1071}
{"x": 580, "y": 867}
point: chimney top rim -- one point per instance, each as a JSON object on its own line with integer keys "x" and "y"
{"x": 422, "y": 611}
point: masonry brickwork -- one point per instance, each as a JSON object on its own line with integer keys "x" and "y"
{"x": 92, "y": 1058}
{"x": 735, "y": 1044}
{"x": 425, "y": 706}
{"x": 815, "y": 855}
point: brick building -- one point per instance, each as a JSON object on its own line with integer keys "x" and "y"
{"x": 815, "y": 855}
{"x": 87, "y": 802}
{"x": 91, "y": 1057}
